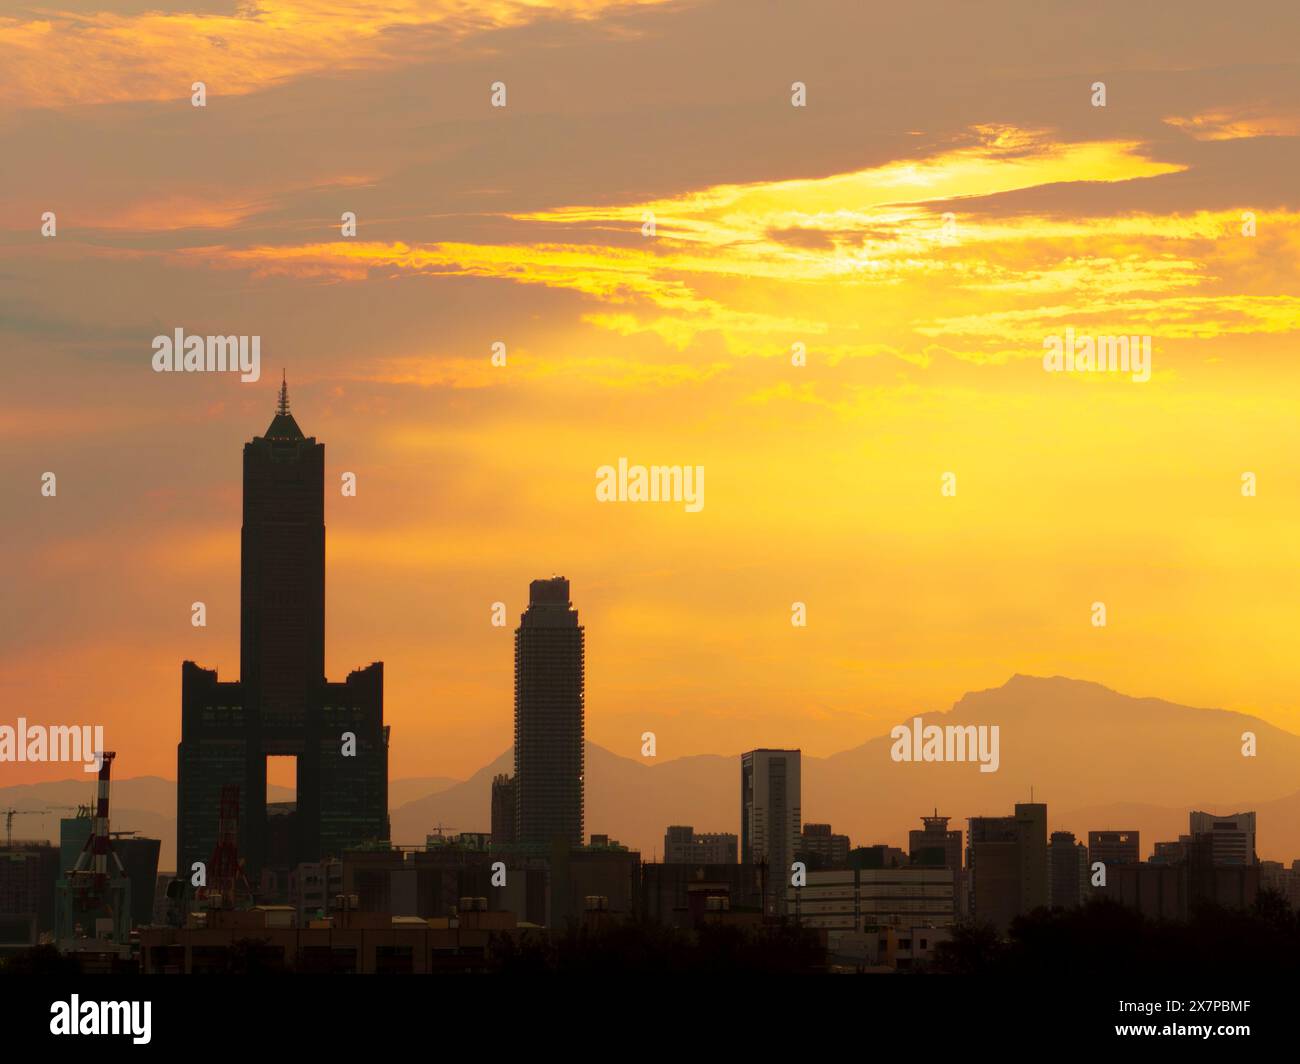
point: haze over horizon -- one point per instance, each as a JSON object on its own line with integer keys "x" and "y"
{"x": 1113, "y": 762}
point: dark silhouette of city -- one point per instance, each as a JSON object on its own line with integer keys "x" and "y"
{"x": 261, "y": 889}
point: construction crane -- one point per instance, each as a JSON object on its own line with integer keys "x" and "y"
{"x": 9, "y": 821}
{"x": 94, "y": 898}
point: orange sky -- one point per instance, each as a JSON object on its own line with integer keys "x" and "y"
{"x": 948, "y": 198}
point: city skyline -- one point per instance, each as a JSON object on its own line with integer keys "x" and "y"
{"x": 568, "y": 496}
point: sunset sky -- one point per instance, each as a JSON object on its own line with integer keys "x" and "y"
{"x": 775, "y": 225}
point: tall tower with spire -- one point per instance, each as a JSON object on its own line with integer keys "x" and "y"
{"x": 282, "y": 590}
{"x": 283, "y": 705}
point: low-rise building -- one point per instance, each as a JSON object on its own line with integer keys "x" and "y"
{"x": 855, "y": 898}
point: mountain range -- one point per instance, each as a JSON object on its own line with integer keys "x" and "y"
{"x": 1099, "y": 759}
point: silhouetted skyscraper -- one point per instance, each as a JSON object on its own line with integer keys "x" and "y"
{"x": 550, "y": 668}
{"x": 282, "y": 586}
{"x": 282, "y": 704}
{"x": 770, "y": 816}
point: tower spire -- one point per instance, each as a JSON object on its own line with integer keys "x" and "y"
{"x": 283, "y": 407}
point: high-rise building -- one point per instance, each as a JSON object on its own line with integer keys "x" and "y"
{"x": 282, "y": 704}
{"x": 503, "y": 810}
{"x": 770, "y": 816}
{"x": 683, "y": 846}
{"x": 549, "y": 718}
{"x": 1231, "y": 839}
{"x": 1067, "y": 871}
{"x": 1007, "y": 864}
{"x": 1114, "y": 847}
{"x": 1031, "y": 819}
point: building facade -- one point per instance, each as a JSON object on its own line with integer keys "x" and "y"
{"x": 935, "y": 844}
{"x": 1231, "y": 838}
{"x": 869, "y": 897}
{"x": 1007, "y": 864}
{"x": 821, "y": 849}
{"x": 682, "y": 845}
{"x": 1114, "y": 847}
{"x": 1068, "y": 878}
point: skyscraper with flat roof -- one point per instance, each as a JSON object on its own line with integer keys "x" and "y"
{"x": 1007, "y": 863}
{"x": 550, "y": 668}
{"x": 770, "y": 816}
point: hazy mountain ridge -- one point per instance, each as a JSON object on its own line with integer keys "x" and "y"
{"x": 1099, "y": 759}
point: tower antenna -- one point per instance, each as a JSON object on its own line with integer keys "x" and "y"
{"x": 283, "y": 408}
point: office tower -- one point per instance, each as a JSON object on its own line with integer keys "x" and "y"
{"x": 1230, "y": 839}
{"x": 935, "y": 845}
{"x": 1007, "y": 864}
{"x": 683, "y": 846}
{"x": 1068, "y": 871}
{"x": 821, "y": 849}
{"x": 282, "y": 704}
{"x": 770, "y": 816}
{"x": 1114, "y": 847}
{"x": 549, "y": 724}
{"x": 503, "y": 810}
